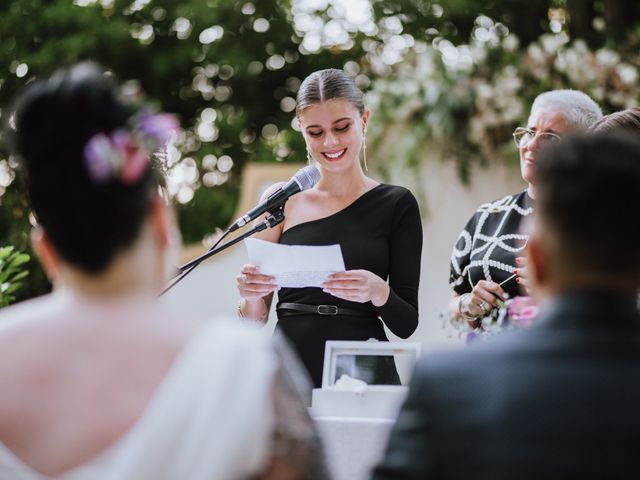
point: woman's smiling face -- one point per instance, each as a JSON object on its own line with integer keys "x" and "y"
{"x": 334, "y": 133}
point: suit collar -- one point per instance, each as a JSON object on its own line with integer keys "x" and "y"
{"x": 597, "y": 308}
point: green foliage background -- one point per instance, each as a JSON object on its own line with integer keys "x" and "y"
{"x": 12, "y": 273}
{"x": 240, "y": 81}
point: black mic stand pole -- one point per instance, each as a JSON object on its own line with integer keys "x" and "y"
{"x": 271, "y": 221}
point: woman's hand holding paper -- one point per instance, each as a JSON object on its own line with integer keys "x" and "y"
{"x": 358, "y": 286}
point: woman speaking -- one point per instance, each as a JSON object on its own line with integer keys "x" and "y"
{"x": 377, "y": 226}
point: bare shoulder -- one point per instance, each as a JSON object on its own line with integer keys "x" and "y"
{"x": 172, "y": 334}
{"x": 22, "y": 333}
{"x": 300, "y": 202}
{"x": 19, "y": 321}
{"x": 221, "y": 335}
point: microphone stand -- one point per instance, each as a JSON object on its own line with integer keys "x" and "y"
{"x": 271, "y": 221}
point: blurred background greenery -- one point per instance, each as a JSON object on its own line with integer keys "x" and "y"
{"x": 454, "y": 76}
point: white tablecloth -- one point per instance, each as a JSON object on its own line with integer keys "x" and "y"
{"x": 353, "y": 446}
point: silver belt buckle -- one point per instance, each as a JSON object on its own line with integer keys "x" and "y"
{"x": 327, "y": 310}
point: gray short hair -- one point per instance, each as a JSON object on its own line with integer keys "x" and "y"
{"x": 578, "y": 107}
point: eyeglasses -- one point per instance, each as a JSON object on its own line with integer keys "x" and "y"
{"x": 523, "y": 137}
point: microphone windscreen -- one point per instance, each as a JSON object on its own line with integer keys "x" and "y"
{"x": 307, "y": 177}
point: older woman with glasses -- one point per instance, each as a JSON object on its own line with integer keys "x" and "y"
{"x": 487, "y": 263}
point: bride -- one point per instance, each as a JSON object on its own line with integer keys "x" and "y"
{"x": 97, "y": 380}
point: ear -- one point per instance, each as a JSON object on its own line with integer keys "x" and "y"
{"x": 46, "y": 253}
{"x": 537, "y": 263}
{"x": 365, "y": 119}
{"x": 162, "y": 221}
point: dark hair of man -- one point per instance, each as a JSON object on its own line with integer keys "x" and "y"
{"x": 588, "y": 198}
{"x": 88, "y": 223}
{"x": 625, "y": 120}
{"x": 330, "y": 84}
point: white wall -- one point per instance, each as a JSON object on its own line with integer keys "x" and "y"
{"x": 211, "y": 287}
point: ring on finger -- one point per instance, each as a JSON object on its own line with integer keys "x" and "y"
{"x": 484, "y": 306}
{"x": 243, "y": 278}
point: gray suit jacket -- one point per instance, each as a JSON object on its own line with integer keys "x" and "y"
{"x": 558, "y": 400}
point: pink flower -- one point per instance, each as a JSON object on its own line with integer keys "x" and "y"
{"x": 134, "y": 160}
{"x": 522, "y": 311}
{"x": 134, "y": 166}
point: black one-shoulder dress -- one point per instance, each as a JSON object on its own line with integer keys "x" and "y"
{"x": 380, "y": 232}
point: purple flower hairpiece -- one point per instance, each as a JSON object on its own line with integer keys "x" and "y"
{"x": 124, "y": 155}
{"x": 159, "y": 128}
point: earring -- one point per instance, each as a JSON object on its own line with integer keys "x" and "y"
{"x": 364, "y": 150}
{"x": 309, "y": 157}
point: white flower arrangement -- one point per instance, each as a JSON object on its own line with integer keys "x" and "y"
{"x": 517, "y": 312}
{"x": 466, "y": 99}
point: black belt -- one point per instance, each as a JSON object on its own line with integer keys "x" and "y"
{"x": 300, "y": 308}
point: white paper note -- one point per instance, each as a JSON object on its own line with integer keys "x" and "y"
{"x": 295, "y": 266}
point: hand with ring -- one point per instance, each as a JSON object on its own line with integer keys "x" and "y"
{"x": 482, "y": 299}
{"x": 252, "y": 285}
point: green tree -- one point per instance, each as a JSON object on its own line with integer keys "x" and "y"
{"x": 11, "y": 273}
{"x": 230, "y": 70}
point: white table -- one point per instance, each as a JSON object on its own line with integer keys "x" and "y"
{"x": 353, "y": 446}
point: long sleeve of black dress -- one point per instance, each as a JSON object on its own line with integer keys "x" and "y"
{"x": 400, "y": 313}
{"x": 380, "y": 232}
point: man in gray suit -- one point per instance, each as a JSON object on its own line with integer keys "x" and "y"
{"x": 559, "y": 400}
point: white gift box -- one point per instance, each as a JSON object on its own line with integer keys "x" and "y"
{"x": 348, "y": 368}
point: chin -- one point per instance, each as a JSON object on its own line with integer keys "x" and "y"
{"x": 340, "y": 165}
{"x": 528, "y": 175}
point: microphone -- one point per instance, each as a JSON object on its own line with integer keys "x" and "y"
{"x": 304, "y": 179}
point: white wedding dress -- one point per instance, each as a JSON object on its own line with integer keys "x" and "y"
{"x": 211, "y": 418}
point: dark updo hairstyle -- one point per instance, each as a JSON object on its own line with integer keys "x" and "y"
{"x": 625, "y": 120}
{"x": 330, "y": 84}
{"x": 587, "y": 194}
{"x": 88, "y": 223}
